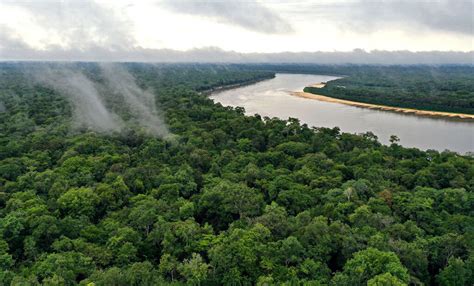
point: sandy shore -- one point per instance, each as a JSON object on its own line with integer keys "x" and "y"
{"x": 381, "y": 107}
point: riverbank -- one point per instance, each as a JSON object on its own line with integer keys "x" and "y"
{"x": 384, "y": 107}
{"x": 271, "y": 99}
{"x": 235, "y": 85}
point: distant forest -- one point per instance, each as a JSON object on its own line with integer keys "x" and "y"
{"x": 434, "y": 88}
{"x": 217, "y": 197}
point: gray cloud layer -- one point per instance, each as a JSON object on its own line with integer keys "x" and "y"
{"x": 250, "y": 15}
{"x": 78, "y": 24}
{"x": 410, "y": 15}
{"x": 451, "y": 16}
{"x": 91, "y": 32}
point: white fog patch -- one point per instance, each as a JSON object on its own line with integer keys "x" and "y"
{"x": 140, "y": 102}
{"x": 89, "y": 110}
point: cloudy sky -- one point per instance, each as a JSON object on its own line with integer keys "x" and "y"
{"x": 65, "y": 28}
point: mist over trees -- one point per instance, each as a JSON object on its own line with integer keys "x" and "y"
{"x": 88, "y": 108}
{"x": 96, "y": 102}
{"x": 141, "y": 102}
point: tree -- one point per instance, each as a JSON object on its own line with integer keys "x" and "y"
{"x": 456, "y": 273}
{"x": 275, "y": 218}
{"x": 136, "y": 274}
{"x": 66, "y": 266}
{"x": 320, "y": 248}
{"x": 79, "y": 202}
{"x": 168, "y": 266}
{"x": 235, "y": 259}
{"x": 394, "y": 139}
{"x": 115, "y": 195}
{"x": 385, "y": 279}
{"x": 367, "y": 264}
{"x": 182, "y": 237}
{"x": 195, "y": 270}
{"x": 144, "y": 212}
{"x": 6, "y": 262}
{"x": 311, "y": 270}
{"x": 142, "y": 274}
{"x": 226, "y": 199}
{"x": 291, "y": 250}
{"x": 124, "y": 245}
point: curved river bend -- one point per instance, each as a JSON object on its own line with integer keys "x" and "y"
{"x": 273, "y": 98}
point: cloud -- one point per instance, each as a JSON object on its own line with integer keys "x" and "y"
{"x": 9, "y": 41}
{"x": 92, "y": 31}
{"x": 72, "y": 24}
{"x": 249, "y": 15}
{"x": 453, "y": 16}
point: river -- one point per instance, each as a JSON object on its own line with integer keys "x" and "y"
{"x": 273, "y": 98}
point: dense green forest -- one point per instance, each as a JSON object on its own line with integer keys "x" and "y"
{"x": 224, "y": 199}
{"x": 435, "y": 88}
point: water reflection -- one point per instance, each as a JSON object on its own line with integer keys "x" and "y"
{"x": 273, "y": 98}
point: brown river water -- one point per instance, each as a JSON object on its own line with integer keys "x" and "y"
{"x": 274, "y": 98}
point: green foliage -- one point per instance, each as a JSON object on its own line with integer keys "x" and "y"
{"x": 136, "y": 274}
{"x": 63, "y": 268}
{"x": 385, "y": 279}
{"x": 369, "y": 264}
{"x": 230, "y": 199}
{"x": 442, "y": 88}
{"x": 456, "y": 273}
{"x": 194, "y": 270}
{"x": 79, "y": 202}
